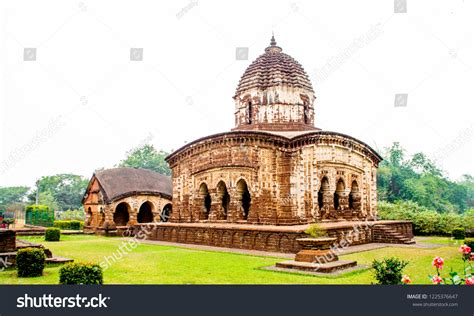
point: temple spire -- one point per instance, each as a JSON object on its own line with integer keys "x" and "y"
{"x": 272, "y": 41}
{"x": 273, "y": 48}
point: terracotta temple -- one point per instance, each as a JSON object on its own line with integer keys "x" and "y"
{"x": 261, "y": 184}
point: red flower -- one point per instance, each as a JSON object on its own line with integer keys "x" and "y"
{"x": 406, "y": 279}
{"x": 436, "y": 279}
{"x": 465, "y": 249}
{"x": 438, "y": 262}
{"x": 470, "y": 281}
{"x": 472, "y": 256}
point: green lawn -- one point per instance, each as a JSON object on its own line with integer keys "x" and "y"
{"x": 153, "y": 264}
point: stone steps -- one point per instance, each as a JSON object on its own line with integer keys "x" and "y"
{"x": 387, "y": 234}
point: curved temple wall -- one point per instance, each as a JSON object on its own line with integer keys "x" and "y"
{"x": 284, "y": 178}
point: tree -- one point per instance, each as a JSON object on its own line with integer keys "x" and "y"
{"x": 12, "y": 195}
{"x": 62, "y": 191}
{"x": 147, "y": 157}
{"x": 418, "y": 179}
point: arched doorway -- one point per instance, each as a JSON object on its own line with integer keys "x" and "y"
{"x": 166, "y": 213}
{"x": 338, "y": 194}
{"x": 121, "y": 214}
{"x": 224, "y": 197}
{"x": 206, "y": 201}
{"x": 101, "y": 217}
{"x": 244, "y": 196}
{"x": 145, "y": 213}
{"x": 89, "y": 217}
{"x": 324, "y": 189}
{"x": 354, "y": 196}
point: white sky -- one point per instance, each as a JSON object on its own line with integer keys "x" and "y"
{"x": 82, "y": 104}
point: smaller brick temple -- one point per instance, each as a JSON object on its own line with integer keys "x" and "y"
{"x": 122, "y": 197}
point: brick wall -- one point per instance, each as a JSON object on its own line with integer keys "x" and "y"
{"x": 7, "y": 240}
{"x": 265, "y": 238}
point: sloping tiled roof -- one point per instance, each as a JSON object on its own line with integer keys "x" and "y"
{"x": 120, "y": 182}
{"x": 274, "y": 68}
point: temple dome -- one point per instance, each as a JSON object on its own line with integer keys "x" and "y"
{"x": 274, "y": 93}
{"x": 274, "y": 68}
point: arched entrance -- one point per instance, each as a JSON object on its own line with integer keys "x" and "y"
{"x": 244, "y": 196}
{"x": 166, "y": 213}
{"x": 145, "y": 213}
{"x": 324, "y": 189}
{"x": 354, "y": 196}
{"x": 206, "y": 201}
{"x": 121, "y": 214}
{"x": 338, "y": 194}
{"x": 89, "y": 217}
{"x": 224, "y": 198}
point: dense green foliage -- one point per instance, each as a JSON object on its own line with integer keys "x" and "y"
{"x": 388, "y": 271}
{"x": 425, "y": 221}
{"x": 30, "y": 262}
{"x": 39, "y": 215}
{"x": 147, "y": 157}
{"x": 418, "y": 179}
{"x": 81, "y": 273}
{"x": 69, "y": 225}
{"x": 12, "y": 195}
{"x": 71, "y": 215}
{"x": 61, "y": 192}
{"x": 52, "y": 234}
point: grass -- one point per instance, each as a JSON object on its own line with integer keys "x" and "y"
{"x": 155, "y": 264}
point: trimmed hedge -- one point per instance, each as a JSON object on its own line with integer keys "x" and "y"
{"x": 69, "y": 224}
{"x": 425, "y": 221}
{"x": 81, "y": 273}
{"x": 39, "y": 215}
{"x": 52, "y": 234}
{"x": 469, "y": 242}
{"x": 30, "y": 262}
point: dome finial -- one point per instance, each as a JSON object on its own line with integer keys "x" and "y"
{"x": 273, "y": 48}
{"x": 272, "y": 41}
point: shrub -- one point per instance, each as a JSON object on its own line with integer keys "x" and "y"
{"x": 389, "y": 270}
{"x": 69, "y": 224}
{"x": 458, "y": 233}
{"x": 469, "y": 242}
{"x": 314, "y": 230}
{"x": 52, "y": 234}
{"x": 30, "y": 262}
{"x": 39, "y": 215}
{"x": 425, "y": 221}
{"x": 81, "y": 273}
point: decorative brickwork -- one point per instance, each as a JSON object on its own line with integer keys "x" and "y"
{"x": 268, "y": 237}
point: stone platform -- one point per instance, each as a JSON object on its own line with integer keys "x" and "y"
{"x": 9, "y": 246}
{"x": 275, "y": 238}
{"x": 328, "y": 267}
